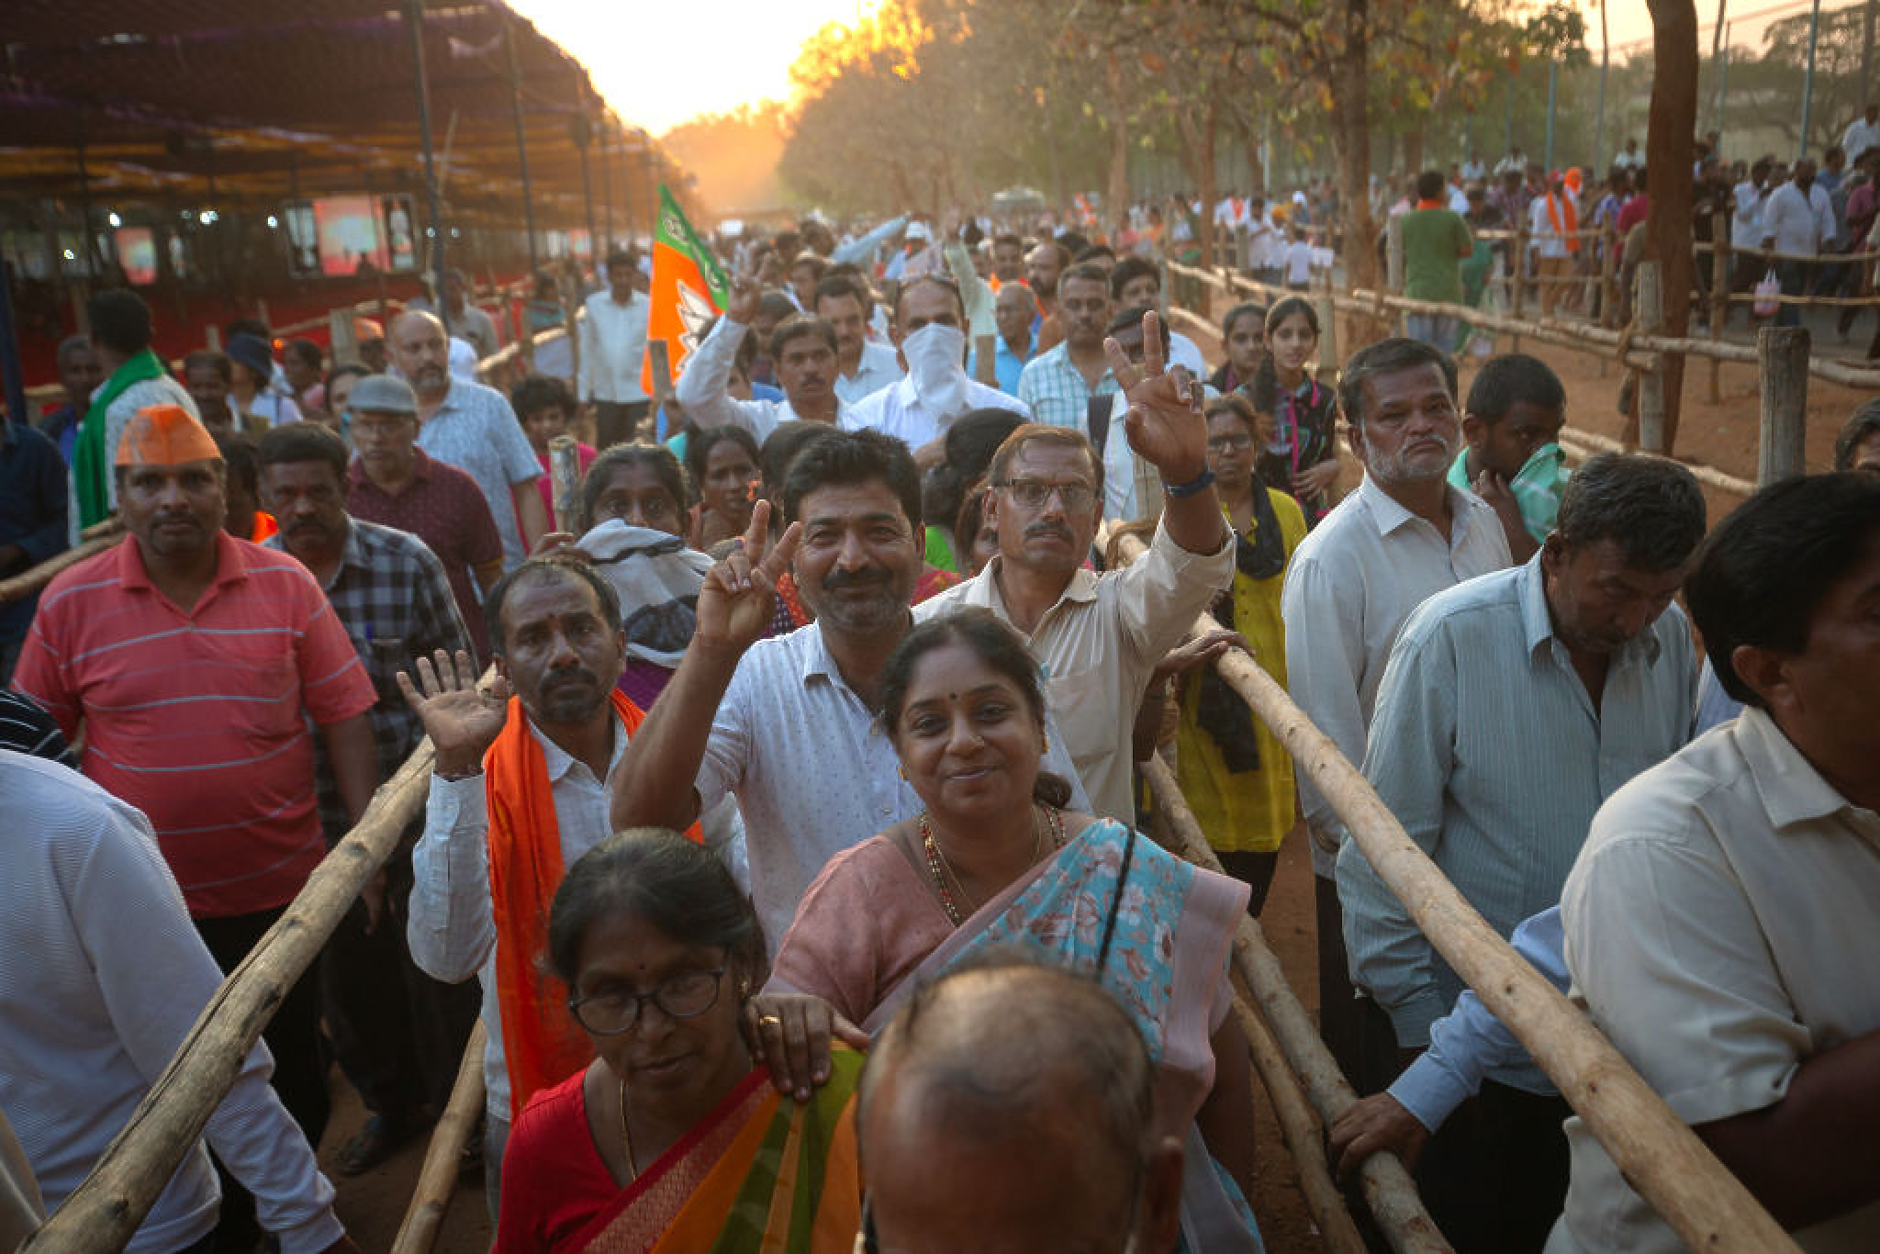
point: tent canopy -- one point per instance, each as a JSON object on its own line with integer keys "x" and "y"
{"x": 269, "y": 100}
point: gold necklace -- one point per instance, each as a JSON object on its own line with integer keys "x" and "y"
{"x": 626, "y": 1135}
{"x": 942, "y": 870}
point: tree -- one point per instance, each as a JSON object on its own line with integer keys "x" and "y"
{"x": 1668, "y": 152}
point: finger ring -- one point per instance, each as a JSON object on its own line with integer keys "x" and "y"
{"x": 771, "y": 1019}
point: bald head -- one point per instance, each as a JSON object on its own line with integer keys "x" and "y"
{"x": 1009, "y": 1108}
{"x": 421, "y": 351}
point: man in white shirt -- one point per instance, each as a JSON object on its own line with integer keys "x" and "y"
{"x": 1746, "y": 226}
{"x": 803, "y": 353}
{"x": 930, "y": 345}
{"x": 1798, "y": 218}
{"x": 1403, "y": 535}
{"x": 104, "y": 978}
{"x": 1551, "y": 219}
{"x": 1862, "y": 134}
{"x": 613, "y": 352}
{"x": 555, "y": 630}
{"x": 1136, "y": 283}
{"x": 788, "y": 723}
{"x": 1723, "y": 919}
{"x": 1630, "y": 159}
{"x": 1098, "y": 637}
{"x": 473, "y": 428}
{"x": 863, "y": 366}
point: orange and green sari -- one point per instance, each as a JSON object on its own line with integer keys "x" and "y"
{"x": 761, "y": 1172}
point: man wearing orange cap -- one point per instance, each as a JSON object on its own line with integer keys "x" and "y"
{"x": 194, "y": 662}
{"x": 1553, "y": 219}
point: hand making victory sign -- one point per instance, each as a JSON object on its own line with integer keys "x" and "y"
{"x": 1164, "y": 422}
{"x": 738, "y": 598}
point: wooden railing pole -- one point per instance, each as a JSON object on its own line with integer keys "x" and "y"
{"x": 1649, "y": 313}
{"x": 1392, "y": 1195}
{"x": 109, "y": 1204}
{"x": 1782, "y": 379}
{"x": 437, "y": 1178}
{"x": 1517, "y": 281}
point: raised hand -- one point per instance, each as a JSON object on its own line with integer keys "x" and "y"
{"x": 738, "y": 598}
{"x": 461, "y": 721}
{"x": 745, "y": 295}
{"x": 1164, "y": 421}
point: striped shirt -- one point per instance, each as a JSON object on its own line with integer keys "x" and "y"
{"x": 26, "y": 728}
{"x": 1487, "y": 747}
{"x": 1055, "y": 391}
{"x": 198, "y": 717}
{"x": 476, "y": 431}
{"x": 395, "y": 604}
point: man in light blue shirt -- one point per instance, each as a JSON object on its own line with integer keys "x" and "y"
{"x": 1512, "y": 706}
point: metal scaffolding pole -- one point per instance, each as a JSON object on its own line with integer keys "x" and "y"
{"x": 522, "y": 140}
{"x": 414, "y": 21}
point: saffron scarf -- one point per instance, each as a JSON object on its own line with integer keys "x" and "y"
{"x": 542, "y": 1044}
{"x": 1555, "y": 206}
{"x": 91, "y": 460}
{"x": 761, "y": 1172}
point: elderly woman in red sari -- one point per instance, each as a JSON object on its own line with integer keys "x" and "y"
{"x": 994, "y": 860}
{"x": 675, "y": 1138}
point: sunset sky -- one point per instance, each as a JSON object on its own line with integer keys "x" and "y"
{"x": 661, "y": 63}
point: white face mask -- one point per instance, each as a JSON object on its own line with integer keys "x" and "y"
{"x": 936, "y": 357}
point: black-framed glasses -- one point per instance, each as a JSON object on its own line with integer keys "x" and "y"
{"x": 615, "y": 1011}
{"x": 1033, "y": 493}
{"x": 1236, "y": 442}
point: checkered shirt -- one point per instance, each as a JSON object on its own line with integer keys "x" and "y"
{"x": 391, "y": 596}
{"x": 1056, "y": 394}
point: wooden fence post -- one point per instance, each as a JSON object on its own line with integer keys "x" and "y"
{"x": 1242, "y": 245}
{"x": 1517, "y": 281}
{"x": 1328, "y": 327}
{"x": 1782, "y": 375}
{"x": 1650, "y": 314}
{"x": 1610, "y": 245}
{"x": 1719, "y": 293}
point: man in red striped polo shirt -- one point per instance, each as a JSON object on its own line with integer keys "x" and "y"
{"x": 194, "y": 663}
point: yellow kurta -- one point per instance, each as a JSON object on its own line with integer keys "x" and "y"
{"x": 1248, "y": 812}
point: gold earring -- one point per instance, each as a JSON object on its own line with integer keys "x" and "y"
{"x": 1047, "y": 744}
{"x": 902, "y": 769}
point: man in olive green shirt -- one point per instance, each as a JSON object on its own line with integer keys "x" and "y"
{"x": 1436, "y": 242}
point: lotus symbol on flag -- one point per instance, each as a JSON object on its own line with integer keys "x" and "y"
{"x": 695, "y": 311}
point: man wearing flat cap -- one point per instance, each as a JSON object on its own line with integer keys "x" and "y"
{"x": 195, "y": 664}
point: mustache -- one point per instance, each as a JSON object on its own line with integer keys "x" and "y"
{"x": 1049, "y": 529}
{"x": 836, "y": 580}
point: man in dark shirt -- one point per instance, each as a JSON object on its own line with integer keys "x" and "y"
{"x": 395, "y": 483}
{"x": 80, "y": 373}
{"x": 32, "y": 523}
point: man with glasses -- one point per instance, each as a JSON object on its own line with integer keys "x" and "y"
{"x": 518, "y": 786}
{"x": 1099, "y": 636}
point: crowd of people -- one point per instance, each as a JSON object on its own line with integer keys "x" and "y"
{"x": 795, "y": 842}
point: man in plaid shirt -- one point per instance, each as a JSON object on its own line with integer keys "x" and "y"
{"x": 397, "y": 1033}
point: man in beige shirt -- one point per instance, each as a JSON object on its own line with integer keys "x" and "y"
{"x": 1098, "y": 637}
{"x": 1723, "y": 919}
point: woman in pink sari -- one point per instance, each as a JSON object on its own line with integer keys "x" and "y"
{"x": 995, "y": 860}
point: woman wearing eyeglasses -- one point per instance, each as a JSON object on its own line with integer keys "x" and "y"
{"x": 675, "y": 1138}
{"x": 995, "y": 860}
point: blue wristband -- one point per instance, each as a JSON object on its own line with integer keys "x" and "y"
{"x": 1200, "y": 483}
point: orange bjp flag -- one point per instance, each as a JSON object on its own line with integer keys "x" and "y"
{"x": 690, "y": 287}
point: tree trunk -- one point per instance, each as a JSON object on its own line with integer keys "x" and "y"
{"x": 1413, "y": 146}
{"x": 1351, "y": 140}
{"x": 1117, "y": 195}
{"x": 1198, "y": 158}
{"x": 1673, "y": 121}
